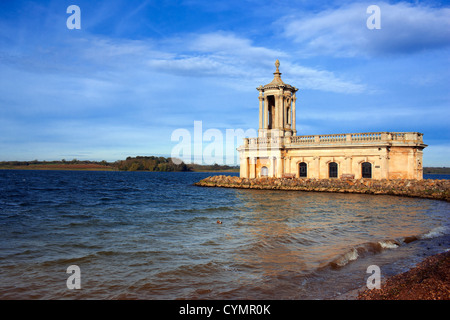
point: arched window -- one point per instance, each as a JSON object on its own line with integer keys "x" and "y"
{"x": 303, "y": 170}
{"x": 366, "y": 168}
{"x": 332, "y": 170}
{"x": 264, "y": 172}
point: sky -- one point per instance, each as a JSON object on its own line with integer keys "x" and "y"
{"x": 136, "y": 72}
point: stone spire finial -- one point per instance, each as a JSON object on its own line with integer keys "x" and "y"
{"x": 276, "y": 78}
{"x": 277, "y": 73}
{"x": 277, "y": 64}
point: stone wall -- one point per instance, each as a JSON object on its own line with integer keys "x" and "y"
{"x": 432, "y": 189}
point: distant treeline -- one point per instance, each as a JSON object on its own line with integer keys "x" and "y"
{"x": 34, "y": 163}
{"x": 214, "y": 167}
{"x": 437, "y": 170}
{"x": 152, "y": 163}
{"x": 142, "y": 163}
{"x": 139, "y": 163}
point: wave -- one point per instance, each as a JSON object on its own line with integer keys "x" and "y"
{"x": 220, "y": 209}
{"x": 191, "y": 270}
{"x": 363, "y": 249}
{"x": 379, "y": 246}
{"x": 436, "y": 232}
{"x": 90, "y": 258}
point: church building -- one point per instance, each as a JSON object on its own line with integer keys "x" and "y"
{"x": 279, "y": 152}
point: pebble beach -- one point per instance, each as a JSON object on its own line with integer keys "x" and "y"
{"x": 429, "y": 280}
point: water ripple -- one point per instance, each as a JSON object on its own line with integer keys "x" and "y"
{"x": 143, "y": 235}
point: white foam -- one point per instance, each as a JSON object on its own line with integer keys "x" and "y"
{"x": 436, "y": 232}
{"x": 388, "y": 244}
{"x": 349, "y": 256}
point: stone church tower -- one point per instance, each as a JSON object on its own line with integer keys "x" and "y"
{"x": 279, "y": 152}
{"x": 277, "y": 107}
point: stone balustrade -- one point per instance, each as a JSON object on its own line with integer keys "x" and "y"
{"x": 344, "y": 138}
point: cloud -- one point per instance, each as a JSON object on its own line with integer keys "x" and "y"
{"x": 91, "y": 93}
{"x": 132, "y": 74}
{"x": 228, "y": 44}
{"x": 405, "y": 28}
{"x": 218, "y": 54}
{"x": 308, "y": 78}
{"x": 226, "y": 57}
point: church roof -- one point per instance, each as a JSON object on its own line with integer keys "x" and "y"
{"x": 277, "y": 82}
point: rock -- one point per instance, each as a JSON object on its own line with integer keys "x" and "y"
{"x": 433, "y": 189}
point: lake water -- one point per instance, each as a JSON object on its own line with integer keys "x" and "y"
{"x": 148, "y": 235}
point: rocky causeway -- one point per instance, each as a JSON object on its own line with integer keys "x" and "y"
{"x": 426, "y": 188}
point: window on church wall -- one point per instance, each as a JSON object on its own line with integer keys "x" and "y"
{"x": 366, "y": 170}
{"x": 332, "y": 170}
{"x": 264, "y": 172}
{"x": 303, "y": 170}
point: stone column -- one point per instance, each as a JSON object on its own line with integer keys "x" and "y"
{"x": 244, "y": 167}
{"x": 261, "y": 113}
{"x": 384, "y": 166}
{"x": 253, "y": 161}
{"x": 420, "y": 164}
{"x": 285, "y": 112}
{"x": 317, "y": 165}
{"x": 287, "y": 168}
{"x": 281, "y": 111}
{"x": 348, "y": 165}
{"x": 272, "y": 167}
{"x": 280, "y": 166}
{"x": 266, "y": 114}
{"x": 289, "y": 111}
{"x": 411, "y": 165}
{"x": 293, "y": 115}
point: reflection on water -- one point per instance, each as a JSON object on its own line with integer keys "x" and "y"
{"x": 294, "y": 233}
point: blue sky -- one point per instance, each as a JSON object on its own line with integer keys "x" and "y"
{"x": 137, "y": 71}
